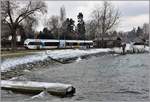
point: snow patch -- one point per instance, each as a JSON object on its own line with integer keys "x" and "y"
{"x": 9, "y": 63}
{"x": 12, "y": 62}
{"x": 130, "y": 48}
{"x": 43, "y": 94}
{"x": 78, "y": 59}
{"x": 73, "y": 53}
{"x": 19, "y": 78}
{"x": 117, "y": 50}
{"x": 26, "y": 70}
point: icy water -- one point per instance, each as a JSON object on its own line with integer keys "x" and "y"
{"x": 109, "y": 78}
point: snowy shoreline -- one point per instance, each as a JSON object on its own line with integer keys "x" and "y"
{"x": 9, "y": 64}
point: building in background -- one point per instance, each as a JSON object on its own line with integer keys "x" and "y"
{"x": 5, "y": 31}
{"x": 146, "y": 31}
{"x": 146, "y": 28}
{"x": 6, "y": 36}
{"x": 108, "y": 41}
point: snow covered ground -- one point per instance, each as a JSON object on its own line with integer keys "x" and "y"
{"x": 8, "y": 63}
{"x": 132, "y": 49}
{"x": 11, "y": 62}
{"x": 57, "y": 54}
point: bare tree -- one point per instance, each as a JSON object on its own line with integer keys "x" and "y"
{"x": 91, "y": 30}
{"x": 105, "y": 18}
{"x": 110, "y": 17}
{"x": 97, "y": 20}
{"x": 29, "y": 24}
{"x": 15, "y": 14}
{"x": 53, "y": 24}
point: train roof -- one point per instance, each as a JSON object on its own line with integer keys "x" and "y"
{"x": 54, "y": 40}
{"x": 89, "y": 41}
{"x": 41, "y": 40}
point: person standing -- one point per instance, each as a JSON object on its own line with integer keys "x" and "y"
{"x": 123, "y": 48}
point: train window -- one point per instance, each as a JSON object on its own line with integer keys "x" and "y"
{"x": 82, "y": 44}
{"x": 35, "y": 43}
{"x": 75, "y": 44}
{"x": 86, "y": 43}
{"x": 51, "y": 43}
{"x": 89, "y": 43}
{"x": 69, "y": 44}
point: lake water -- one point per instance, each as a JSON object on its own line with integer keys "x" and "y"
{"x": 108, "y": 78}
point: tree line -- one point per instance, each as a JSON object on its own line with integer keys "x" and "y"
{"x": 63, "y": 28}
{"x": 23, "y": 19}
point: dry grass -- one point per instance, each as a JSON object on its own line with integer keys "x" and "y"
{"x": 17, "y": 53}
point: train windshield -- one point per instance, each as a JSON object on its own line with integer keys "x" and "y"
{"x": 35, "y": 43}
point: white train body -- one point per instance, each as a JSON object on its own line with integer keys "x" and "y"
{"x": 52, "y": 43}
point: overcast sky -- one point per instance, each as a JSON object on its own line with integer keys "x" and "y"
{"x": 133, "y": 13}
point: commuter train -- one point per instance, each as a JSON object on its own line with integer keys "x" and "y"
{"x": 52, "y": 43}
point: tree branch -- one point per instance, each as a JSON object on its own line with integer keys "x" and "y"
{"x": 24, "y": 12}
{"x": 27, "y": 14}
{"x": 9, "y": 14}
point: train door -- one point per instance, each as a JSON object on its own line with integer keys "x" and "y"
{"x": 62, "y": 44}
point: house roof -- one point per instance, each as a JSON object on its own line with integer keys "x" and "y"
{"x": 138, "y": 39}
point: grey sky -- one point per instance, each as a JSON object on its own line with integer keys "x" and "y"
{"x": 133, "y": 13}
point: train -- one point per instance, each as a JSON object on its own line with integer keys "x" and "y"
{"x": 54, "y": 43}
